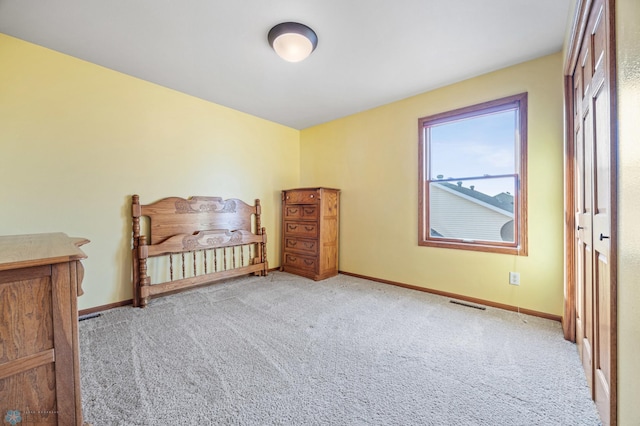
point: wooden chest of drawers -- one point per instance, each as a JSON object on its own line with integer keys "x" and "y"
{"x": 40, "y": 277}
{"x": 310, "y": 219}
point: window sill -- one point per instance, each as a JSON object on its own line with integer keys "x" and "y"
{"x": 489, "y": 248}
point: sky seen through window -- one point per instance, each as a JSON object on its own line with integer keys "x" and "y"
{"x": 476, "y": 147}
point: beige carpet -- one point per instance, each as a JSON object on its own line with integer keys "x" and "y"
{"x": 284, "y": 350}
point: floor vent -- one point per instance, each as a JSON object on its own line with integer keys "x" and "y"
{"x": 87, "y": 316}
{"x": 468, "y": 305}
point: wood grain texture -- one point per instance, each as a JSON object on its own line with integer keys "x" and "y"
{"x": 27, "y": 325}
{"x": 174, "y": 215}
{"x": 218, "y": 238}
{"x": 21, "y": 251}
{"x": 39, "y": 366}
{"x": 186, "y": 283}
{"x": 26, "y": 363}
{"x": 310, "y": 229}
{"x": 33, "y": 393}
{"x": 591, "y": 147}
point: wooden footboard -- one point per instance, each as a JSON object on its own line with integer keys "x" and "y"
{"x": 194, "y": 241}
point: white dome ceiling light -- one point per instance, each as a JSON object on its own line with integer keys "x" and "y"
{"x": 292, "y": 41}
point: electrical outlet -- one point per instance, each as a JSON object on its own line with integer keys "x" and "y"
{"x": 514, "y": 278}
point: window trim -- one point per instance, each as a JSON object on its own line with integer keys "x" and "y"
{"x": 520, "y": 246}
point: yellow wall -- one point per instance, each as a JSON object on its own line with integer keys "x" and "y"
{"x": 628, "y": 52}
{"x": 373, "y": 158}
{"x": 77, "y": 140}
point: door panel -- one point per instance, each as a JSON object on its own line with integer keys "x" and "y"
{"x": 602, "y": 359}
{"x": 584, "y": 218}
{"x": 587, "y": 340}
{"x": 601, "y": 221}
{"x": 592, "y": 200}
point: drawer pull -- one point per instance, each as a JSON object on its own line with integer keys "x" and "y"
{"x": 292, "y": 243}
{"x": 308, "y": 262}
{"x": 293, "y": 227}
{"x": 309, "y": 245}
{"x": 309, "y": 211}
{"x": 311, "y": 196}
{"x": 293, "y": 211}
{"x": 292, "y": 259}
{"x": 309, "y": 228}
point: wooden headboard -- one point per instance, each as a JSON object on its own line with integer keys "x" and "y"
{"x": 222, "y": 239}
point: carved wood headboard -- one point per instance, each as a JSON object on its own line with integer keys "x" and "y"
{"x": 197, "y": 225}
{"x": 173, "y": 215}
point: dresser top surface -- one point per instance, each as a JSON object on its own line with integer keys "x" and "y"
{"x": 21, "y": 251}
{"x": 317, "y": 188}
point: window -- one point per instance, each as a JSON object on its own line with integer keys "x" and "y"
{"x": 473, "y": 193}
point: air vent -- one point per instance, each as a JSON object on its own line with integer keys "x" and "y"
{"x": 87, "y": 316}
{"x": 468, "y": 305}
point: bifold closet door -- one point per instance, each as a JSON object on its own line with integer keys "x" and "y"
{"x": 592, "y": 201}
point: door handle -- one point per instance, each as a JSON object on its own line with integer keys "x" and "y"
{"x": 580, "y": 227}
{"x": 602, "y": 237}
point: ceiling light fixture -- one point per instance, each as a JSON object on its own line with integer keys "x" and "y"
{"x": 292, "y": 41}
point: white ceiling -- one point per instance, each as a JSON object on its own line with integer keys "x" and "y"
{"x": 370, "y": 52}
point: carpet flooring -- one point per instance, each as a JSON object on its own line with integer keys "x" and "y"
{"x": 284, "y": 350}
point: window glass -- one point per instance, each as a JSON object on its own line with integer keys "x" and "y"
{"x": 476, "y": 146}
{"x": 472, "y": 168}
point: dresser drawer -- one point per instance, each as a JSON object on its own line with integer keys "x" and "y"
{"x": 302, "y": 229}
{"x": 300, "y": 262}
{"x": 301, "y": 246}
{"x": 301, "y": 197}
{"x": 301, "y": 211}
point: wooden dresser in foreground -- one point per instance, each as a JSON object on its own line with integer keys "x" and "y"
{"x": 310, "y": 223}
{"x": 40, "y": 278}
